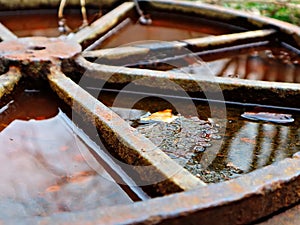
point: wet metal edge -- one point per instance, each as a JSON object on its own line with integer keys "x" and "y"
{"x": 238, "y": 201}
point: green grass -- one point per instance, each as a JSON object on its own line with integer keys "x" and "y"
{"x": 288, "y": 11}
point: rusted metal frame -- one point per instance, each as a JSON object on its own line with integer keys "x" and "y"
{"x": 238, "y": 201}
{"x": 6, "y": 34}
{"x": 9, "y": 80}
{"x": 211, "y": 41}
{"x": 229, "y": 38}
{"x": 103, "y": 24}
{"x": 148, "y": 161}
{"x": 189, "y": 82}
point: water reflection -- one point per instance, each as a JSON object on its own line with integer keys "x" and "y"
{"x": 44, "y": 169}
{"x": 246, "y": 145}
{"x": 274, "y": 64}
{"x": 251, "y": 145}
{"x": 256, "y": 145}
{"x": 270, "y": 65}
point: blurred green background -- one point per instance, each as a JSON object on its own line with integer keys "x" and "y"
{"x": 286, "y": 10}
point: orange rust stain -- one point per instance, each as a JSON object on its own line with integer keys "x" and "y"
{"x": 236, "y": 187}
{"x": 248, "y": 140}
{"x": 40, "y": 118}
{"x": 81, "y": 177}
{"x": 53, "y": 188}
{"x": 79, "y": 158}
{"x": 64, "y": 148}
{"x": 107, "y": 115}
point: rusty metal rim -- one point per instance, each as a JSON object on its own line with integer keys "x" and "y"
{"x": 238, "y": 201}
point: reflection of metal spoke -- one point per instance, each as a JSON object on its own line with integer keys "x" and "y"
{"x": 144, "y": 19}
{"x": 6, "y": 34}
{"x": 62, "y": 23}
{"x": 83, "y": 13}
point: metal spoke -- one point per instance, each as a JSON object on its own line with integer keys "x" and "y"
{"x": 9, "y": 80}
{"x": 127, "y": 142}
{"x": 148, "y": 163}
{"x": 6, "y": 34}
{"x": 210, "y": 41}
{"x": 103, "y": 24}
{"x": 191, "y": 83}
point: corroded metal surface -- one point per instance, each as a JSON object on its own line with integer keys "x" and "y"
{"x": 9, "y": 80}
{"x": 289, "y": 217}
{"x": 35, "y": 54}
{"x": 184, "y": 81}
{"x": 239, "y": 201}
{"x": 243, "y": 200}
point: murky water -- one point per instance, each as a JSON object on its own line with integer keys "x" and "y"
{"x": 42, "y": 22}
{"x": 271, "y": 62}
{"x": 163, "y": 28}
{"x": 242, "y": 147}
{"x": 268, "y": 63}
{"x": 46, "y": 167}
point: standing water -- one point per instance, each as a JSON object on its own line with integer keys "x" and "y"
{"x": 46, "y": 168}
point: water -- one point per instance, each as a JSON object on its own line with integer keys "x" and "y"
{"x": 240, "y": 146}
{"x": 269, "y": 63}
{"x": 167, "y": 27}
{"x": 41, "y": 22}
{"x": 45, "y": 167}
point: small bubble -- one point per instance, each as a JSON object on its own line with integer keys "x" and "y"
{"x": 198, "y": 148}
{"x": 216, "y": 125}
{"x": 216, "y": 137}
{"x": 206, "y": 145}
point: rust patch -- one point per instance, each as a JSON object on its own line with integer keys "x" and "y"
{"x": 35, "y": 54}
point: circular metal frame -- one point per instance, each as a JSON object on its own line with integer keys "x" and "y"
{"x": 239, "y": 201}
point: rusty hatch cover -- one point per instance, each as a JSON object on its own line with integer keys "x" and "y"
{"x": 107, "y": 122}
